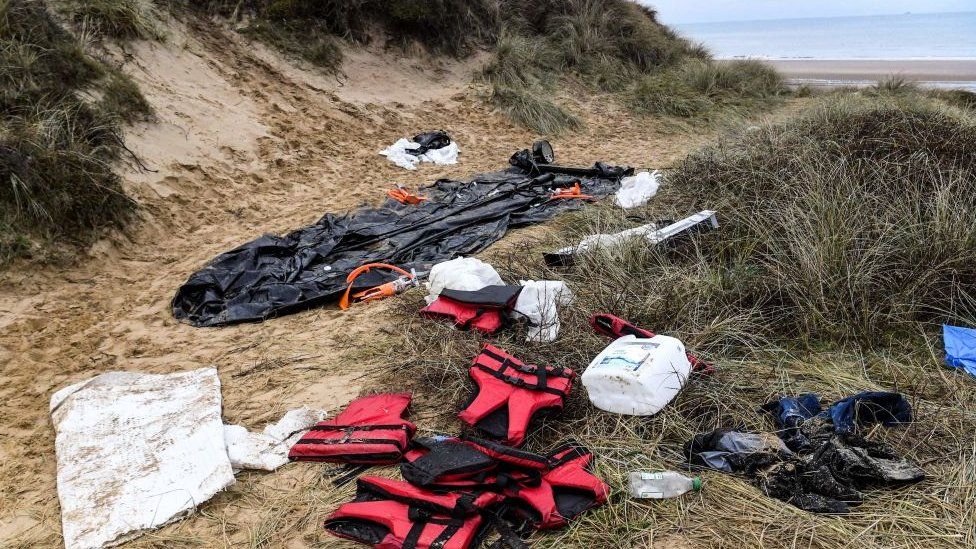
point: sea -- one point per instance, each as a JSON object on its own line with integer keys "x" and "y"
{"x": 935, "y": 36}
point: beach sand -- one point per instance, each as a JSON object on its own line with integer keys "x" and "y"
{"x": 827, "y": 72}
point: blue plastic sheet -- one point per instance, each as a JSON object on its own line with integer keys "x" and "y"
{"x": 960, "y": 347}
{"x": 867, "y": 408}
{"x": 790, "y": 411}
{"x": 847, "y": 414}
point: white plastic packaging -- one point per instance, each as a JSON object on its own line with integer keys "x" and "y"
{"x": 268, "y": 450}
{"x": 638, "y": 189}
{"x": 463, "y": 273}
{"x": 661, "y": 485}
{"x": 397, "y": 153}
{"x": 539, "y": 301}
{"x": 637, "y": 376}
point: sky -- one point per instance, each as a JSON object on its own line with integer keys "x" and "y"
{"x": 688, "y": 11}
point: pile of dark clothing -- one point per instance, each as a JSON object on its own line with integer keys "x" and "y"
{"x": 818, "y": 462}
{"x": 277, "y": 275}
{"x": 458, "y": 490}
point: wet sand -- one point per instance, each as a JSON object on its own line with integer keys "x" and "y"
{"x": 827, "y": 72}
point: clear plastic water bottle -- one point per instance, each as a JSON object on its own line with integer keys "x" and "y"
{"x": 660, "y": 485}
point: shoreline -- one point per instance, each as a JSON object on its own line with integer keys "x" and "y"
{"x": 940, "y": 73}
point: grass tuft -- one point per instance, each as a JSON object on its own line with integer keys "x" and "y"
{"x": 57, "y": 149}
{"x": 122, "y": 98}
{"x": 535, "y": 111}
{"x": 747, "y": 79}
{"x": 667, "y": 94}
{"x": 894, "y": 85}
{"x": 307, "y": 41}
{"x": 124, "y": 19}
{"x": 847, "y": 223}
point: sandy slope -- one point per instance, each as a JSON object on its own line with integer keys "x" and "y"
{"x": 246, "y": 143}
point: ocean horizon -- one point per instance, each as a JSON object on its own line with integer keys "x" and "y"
{"x": 910, "y": 36}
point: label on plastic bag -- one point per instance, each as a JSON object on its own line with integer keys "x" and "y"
{"x": 652, "y": 476}
{"x": 628, "y": 357}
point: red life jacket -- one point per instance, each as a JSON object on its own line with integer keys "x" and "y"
{"x": 483, "y": 310}
{"x": 370, "y": 430}
{"x": 510, "y": 394}
{"x": 612, "y": 326}
{"x": 568, "y": 488}
{"x": 390, "y": 514}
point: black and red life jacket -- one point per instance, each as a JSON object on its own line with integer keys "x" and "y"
{"x": 612, "y": 326}
{"x": 510, "y": 394}
{"x": 541, "y": 491}
{"x": 568, "y": 488}
{"x": 470, "y": 463}
{"x": 391, "y": 514}
{"x": 370, "y": 430}
{"x": 484, "y": 310}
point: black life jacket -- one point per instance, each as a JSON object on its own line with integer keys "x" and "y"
{"x": 371, "y": 430}
{"x": 510, "y": 394}
{"x": 485, "y": 310}
{"x": 391, "y": 514}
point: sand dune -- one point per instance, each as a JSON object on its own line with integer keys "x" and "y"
{"x": 246, "y": 143}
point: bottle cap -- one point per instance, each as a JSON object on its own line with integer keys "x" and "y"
{"x": 696, "y": 484}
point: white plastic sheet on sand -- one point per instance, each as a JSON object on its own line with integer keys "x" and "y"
{"x": 397, "y": 153}
{"x": 268, "y": 450}
{"x": 638, "y": 189}
{"x": 539, "y": 301}
{"x": 136, "y": 451}
{"x": 463, "y": 273}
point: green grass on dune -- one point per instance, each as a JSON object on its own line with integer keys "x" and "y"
{"x": 619, "y": 49}
{"x": 57, "y": 144}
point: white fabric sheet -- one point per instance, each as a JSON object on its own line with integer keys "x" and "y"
{"x": 268, "y": 450}
{"x": 136, "y": 451}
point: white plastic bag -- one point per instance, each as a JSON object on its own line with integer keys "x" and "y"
{"x": 539, "y": 301}
{"x": 397, "y": 153}
{"x": 463, "y": 273}
{"x": 638, "y": 189}
{"x": 268, "y": 450}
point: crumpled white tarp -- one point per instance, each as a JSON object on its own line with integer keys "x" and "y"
{"x": 136, "y": 451}
{"x": 462, "y": 273}
{"x": 637, "y": 190}
{"x": 539, "y": 301}
{"x": 268, "y": 450}
{"x": 397, "y": 153}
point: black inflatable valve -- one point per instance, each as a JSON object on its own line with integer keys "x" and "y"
{"x": 542, "y": 152}
{"x": 539, "y": 161}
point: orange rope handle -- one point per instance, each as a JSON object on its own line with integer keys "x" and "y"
{"x": 362, "y": 269}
